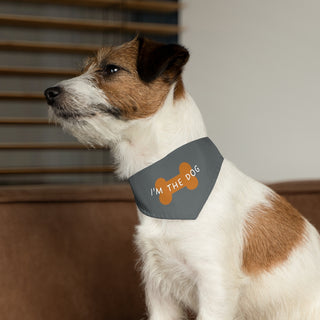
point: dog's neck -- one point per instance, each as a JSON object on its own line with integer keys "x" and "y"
{"x": 148, "y": 140}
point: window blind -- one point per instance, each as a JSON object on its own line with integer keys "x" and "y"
{"x": 43, "y": 42}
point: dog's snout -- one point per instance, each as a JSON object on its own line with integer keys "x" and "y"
{"x": 51, "y": 94}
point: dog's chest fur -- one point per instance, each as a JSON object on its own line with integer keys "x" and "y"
{"x": 164, "y": 265}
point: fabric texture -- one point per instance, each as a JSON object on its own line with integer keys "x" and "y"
{"x": 178, "y": 186}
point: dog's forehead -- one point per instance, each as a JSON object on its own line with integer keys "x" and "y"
{"x": 124, "y": 55}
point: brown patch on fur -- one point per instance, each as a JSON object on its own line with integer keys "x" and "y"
{"x": 179, "y": 92}
{"x": 271, "y": 233}
{"x": 125, "y": 90}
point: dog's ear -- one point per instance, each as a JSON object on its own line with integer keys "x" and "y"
{"x": 157, "y": 59}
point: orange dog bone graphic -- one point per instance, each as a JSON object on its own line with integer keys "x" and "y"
{"x": 186, "y": 178}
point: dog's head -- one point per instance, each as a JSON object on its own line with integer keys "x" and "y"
{"x": 118, "y": 85}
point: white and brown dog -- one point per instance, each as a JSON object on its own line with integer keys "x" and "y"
{"x": 249, "y": 254}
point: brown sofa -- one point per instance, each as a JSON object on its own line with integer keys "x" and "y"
{"x": 66, "y": 252}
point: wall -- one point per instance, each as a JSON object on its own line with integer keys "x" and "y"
{"x": 255, "y": 74}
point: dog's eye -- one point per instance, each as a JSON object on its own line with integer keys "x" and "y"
{"x": 110, "y": 69}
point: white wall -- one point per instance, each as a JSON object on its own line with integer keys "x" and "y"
{"x": 255, "y": 74}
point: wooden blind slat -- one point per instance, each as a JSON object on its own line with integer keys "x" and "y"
{"x": 48, "y": 47}
{"x": 149, "y": 28}
{"x": 21, "y": 96}
{"x": 25, "y": 121}
{"x": 38, "y": 72}
{"x": 89, "y": 25}
{"x": 156, "y": 6}
{"x": 61, "y": 170}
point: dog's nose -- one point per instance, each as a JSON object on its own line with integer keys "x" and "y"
{"x": 51, "y": 94}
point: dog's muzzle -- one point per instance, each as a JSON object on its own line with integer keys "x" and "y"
{"x": 52, "y": 94}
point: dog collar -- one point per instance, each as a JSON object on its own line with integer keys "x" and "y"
{"x": 178, "y": 185}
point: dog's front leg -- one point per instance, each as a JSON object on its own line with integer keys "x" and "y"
{"x": 161, "y": 307}
{"x": 217, "y": 296}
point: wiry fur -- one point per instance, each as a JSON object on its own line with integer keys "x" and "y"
{"x": 198, "y": 264}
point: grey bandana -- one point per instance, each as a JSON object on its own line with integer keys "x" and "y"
{"x": 178, "y": 186}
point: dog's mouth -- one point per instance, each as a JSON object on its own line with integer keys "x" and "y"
{"x": 62, "y": 112}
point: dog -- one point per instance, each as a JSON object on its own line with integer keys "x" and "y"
{"x": 249, "y": 254}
